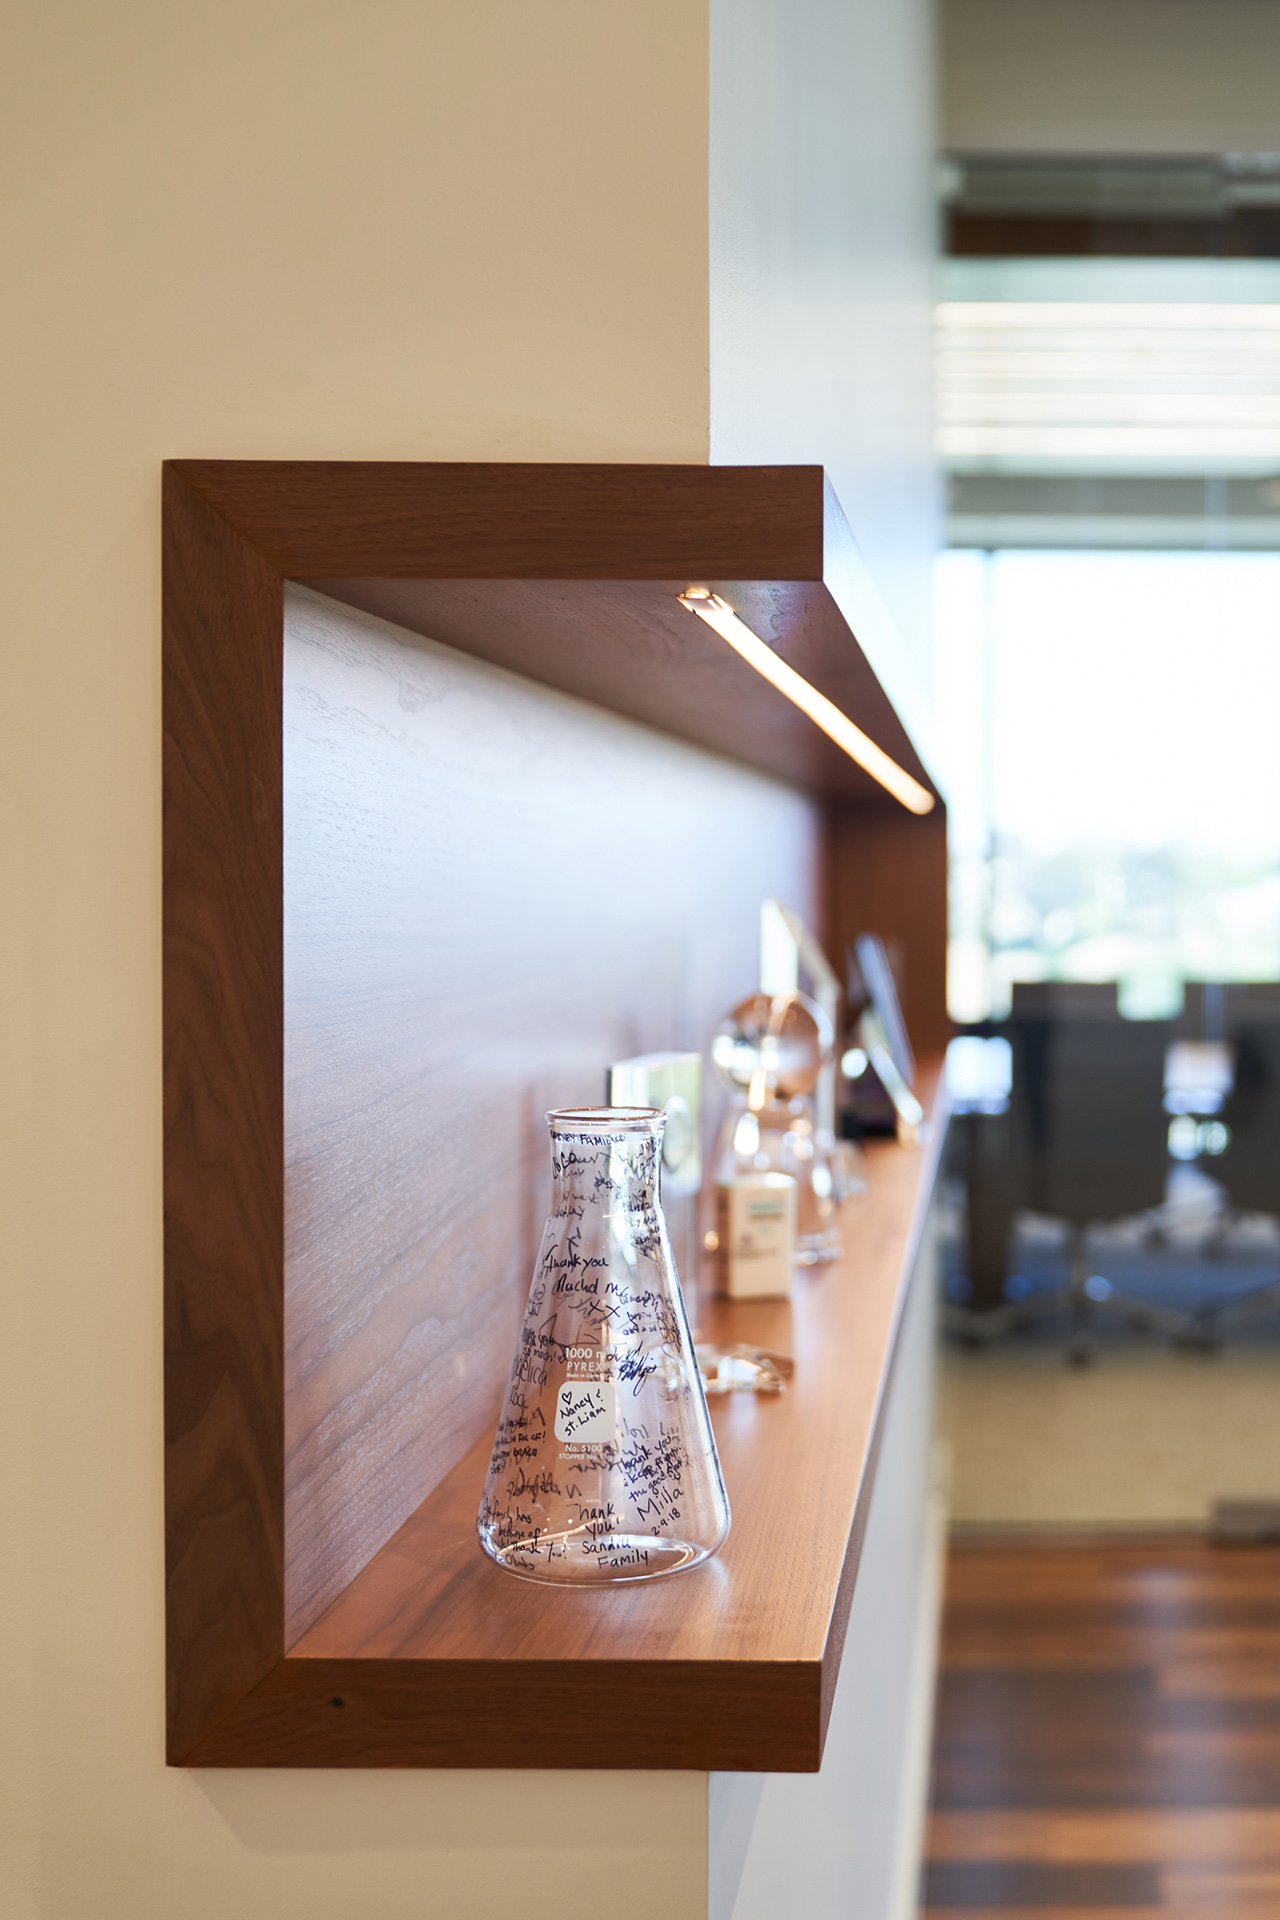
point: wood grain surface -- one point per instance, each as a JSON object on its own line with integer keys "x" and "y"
{"x": 631, "y": 647}
{"x": 1108, "y": 1730}
{"x": 223, "y": 1102}
{"x": 730, "y": 1666}
{"x": 886, "y": 873}
{"x": 478, "y": 520}
{"x": 358, "y": 1318}
{"x": 413, "y": 542}
{"x": 491, "y": 892}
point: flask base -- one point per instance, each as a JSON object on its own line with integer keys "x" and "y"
{"x": 578, "y": 1560}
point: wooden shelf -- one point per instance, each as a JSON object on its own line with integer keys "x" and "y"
{"x": 435, "y": 1657}
{"x": 571, "y": 575}
{"x": 567, "y": 575}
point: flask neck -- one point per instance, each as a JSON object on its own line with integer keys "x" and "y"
{"x": 604, "y": 1173}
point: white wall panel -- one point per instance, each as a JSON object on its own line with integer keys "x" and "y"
{"x": 822, "y": 244}
{"x": 844, "y": 1844}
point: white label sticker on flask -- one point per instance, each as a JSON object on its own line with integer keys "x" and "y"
{"x": 587, "y": 1412}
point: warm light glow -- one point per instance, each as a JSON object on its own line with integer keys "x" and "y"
{"x": 852, "y": 740}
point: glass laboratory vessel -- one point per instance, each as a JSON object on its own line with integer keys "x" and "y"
{"x": 604, "y": 1465}
{"x": 770, "y": 1050}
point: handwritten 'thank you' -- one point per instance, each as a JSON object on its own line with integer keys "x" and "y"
{"x": 587, "y": 1412}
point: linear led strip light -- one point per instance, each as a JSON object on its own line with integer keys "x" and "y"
{"x": 837, "y": 726}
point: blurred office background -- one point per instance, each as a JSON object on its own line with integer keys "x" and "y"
{"x": 1108, "y": 419}
{"x": 1108, "y": 621}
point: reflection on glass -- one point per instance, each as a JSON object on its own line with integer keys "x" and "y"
{"x": 770, "y": 1051}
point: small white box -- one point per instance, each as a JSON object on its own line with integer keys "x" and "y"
{"x": 756, "y": 1232}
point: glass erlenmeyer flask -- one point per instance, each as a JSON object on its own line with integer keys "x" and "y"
{"x": 604, "y": 1465}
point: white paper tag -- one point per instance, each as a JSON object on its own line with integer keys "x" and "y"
{"x": 587, "y": 1412}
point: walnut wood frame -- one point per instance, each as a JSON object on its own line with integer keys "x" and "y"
{"x": 404, "y": 540}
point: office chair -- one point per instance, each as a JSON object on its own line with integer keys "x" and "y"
{"x": 1211, "y": 1009}
{"x": 1248, "y": 1168}
{"x": 1246, "y": 1000}
{"x": 1088, "y": 1137}
{"x": 1201, "y": 1016}
{"x": 1065, "y": 1000}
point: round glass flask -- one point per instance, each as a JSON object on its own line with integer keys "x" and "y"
{"x": 604, "y": 1465}
{"x": 771, "y": 1049}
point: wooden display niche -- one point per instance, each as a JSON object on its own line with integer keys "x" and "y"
{"x": 431, "y": 1656}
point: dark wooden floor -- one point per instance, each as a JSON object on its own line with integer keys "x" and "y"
{"x": 1107, "y": 1741}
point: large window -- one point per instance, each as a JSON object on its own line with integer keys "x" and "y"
{"x": 1111, "y": 727}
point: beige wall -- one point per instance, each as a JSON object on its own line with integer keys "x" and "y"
{"x": 1111, "y": 76}
{"x": 261, "y": 227}
{"x": 398, "y": 228}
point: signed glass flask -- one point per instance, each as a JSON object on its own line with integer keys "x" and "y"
{"x": 604, "y": 1465}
